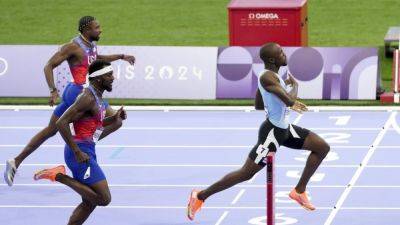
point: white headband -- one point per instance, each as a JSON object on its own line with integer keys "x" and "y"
{"x": 101, "y": 72}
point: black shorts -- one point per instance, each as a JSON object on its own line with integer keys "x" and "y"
{"x": 271, "y": 137}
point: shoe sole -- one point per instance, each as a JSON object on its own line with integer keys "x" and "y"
{"x": 35, "y": 176}
{"x": 188, "y": 214}
{"x": 302, "y": 205}
{"x": 8, "y": 181}
{"x": 188, "y": 207}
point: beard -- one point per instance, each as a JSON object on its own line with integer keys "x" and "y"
{"x": 95, "y": 38}
{"x": 108, "y": 88}
{"x": 106, "y": 85}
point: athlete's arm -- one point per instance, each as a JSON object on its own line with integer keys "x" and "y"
{"x": 110, "y": 58}
{"x": 112, "y": 115}
{"x": 110, "y": 111}
{"x": 114, "y": 124}
{"x": 295, "y": 86}
{"x": 65, "y": 52}
{"x": 270, "y": 82}
{"x": 258, "y": 103}
{"x": 83, "y": 104}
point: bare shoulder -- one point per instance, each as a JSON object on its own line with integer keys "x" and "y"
{"x": 85, "y": 99}
{"x": 269, "y": 78}
{"x": 70, "y": 47}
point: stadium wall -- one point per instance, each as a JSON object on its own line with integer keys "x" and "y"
{"x": 199, "y": 72}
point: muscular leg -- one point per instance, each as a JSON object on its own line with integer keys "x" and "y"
{"x": 94, "y": 195}
{"x": 319, "y": 149}
{"x": 37, "y": 140}
{"x": 97, "y": 194}
{"x": 81, "y": 213}
{"x": 249, "y": 169}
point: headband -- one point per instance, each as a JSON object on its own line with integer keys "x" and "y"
{"x": 103, "y": 71}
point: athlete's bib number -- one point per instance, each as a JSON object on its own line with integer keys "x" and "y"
{"x": 97, "y": 134}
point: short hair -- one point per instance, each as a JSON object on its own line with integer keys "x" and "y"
{"x": 84, "y": 22}
{"x": 265, "y": 51}
{"x": 96, "y": 65}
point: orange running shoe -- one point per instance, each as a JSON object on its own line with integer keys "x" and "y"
{"x": 49, "y": 174}
{"x": 194, "y": 204}
{"x": 302, "y": 199}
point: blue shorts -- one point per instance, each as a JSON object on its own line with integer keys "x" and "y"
{"x": 81, "y": 171}
{"x": 69, "y": 96}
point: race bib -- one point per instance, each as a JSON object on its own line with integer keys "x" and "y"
{"x": 97, "y": 134}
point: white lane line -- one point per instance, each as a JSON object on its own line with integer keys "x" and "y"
{"x": 198, "y": 185}
{"x": 187, "y": 146}
{"x": 297, "y": 120}
{"x": 184, "y": 207}
{"x": 230, "y": 109}
{"x": 173, "y": 185}
{"x": 238, "y": 196}
{"x": 213, "y": 128}
{"x": 358, "y": 172}
{"x": 395, "y": 125}
{"x": 177, "y": 147}
{"x": 207, "y": 165}
{"x": 142, "y": 146}
{"x": 223, "y": 216}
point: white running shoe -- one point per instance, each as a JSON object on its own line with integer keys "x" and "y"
{"x": 10, "y": 172}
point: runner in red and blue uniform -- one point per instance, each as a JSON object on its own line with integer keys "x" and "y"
{"x": 79, "y": 53}
{"x": 88, "y": 115}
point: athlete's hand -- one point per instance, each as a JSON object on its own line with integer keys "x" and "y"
{"x": 121, "y": 114}
{"x": 129, "y": 58}
{"x": 291, "y": 81}
{"x": 53, "y": 98}
{"x": 81, "y": 157}
{"x": 299, "y": 107}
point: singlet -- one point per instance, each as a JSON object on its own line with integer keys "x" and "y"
{"x": 90, "y": 128}
{"x": 79, "y": 72}
{"x": 275, "y": 108}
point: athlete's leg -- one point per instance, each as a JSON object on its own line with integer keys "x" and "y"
{"x": 81, "y": 213}
{"x": 34, "y": 143}
{"x": 319, "y": 149}
{"x": 98, "y": 193}
{"x": 269, "y": 138}
{"x": 89, "y": 180}
{"x": 301, "y": 138}
{"x": 69, "y": 95}
{"x": 47, "y": 132}
{"x": 249, "y": 169}
{"x": 254, "y": 163}
{"x": 196, "y": 199}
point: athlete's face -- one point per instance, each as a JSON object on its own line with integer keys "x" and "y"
{"x": 107, "y": 80}
{"x": 280, "y": 56}
{"x": 94, "y": 31}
